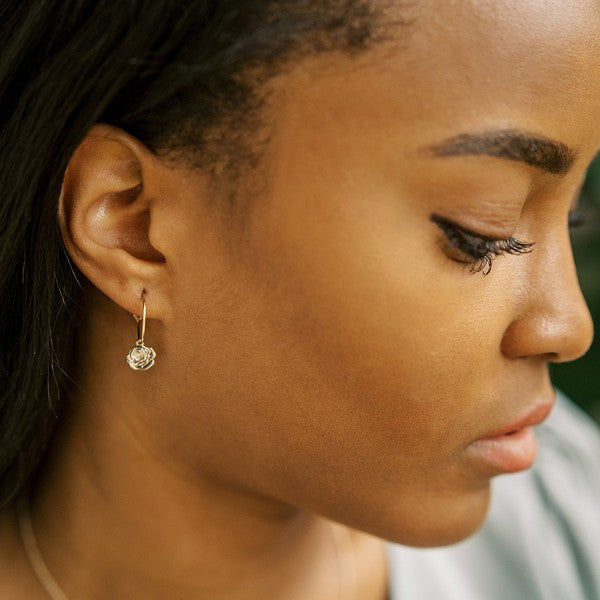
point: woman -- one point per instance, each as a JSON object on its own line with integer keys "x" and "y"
{"x": 342, "y": 228}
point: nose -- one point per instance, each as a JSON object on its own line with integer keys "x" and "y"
{"x": 554, "y": 322}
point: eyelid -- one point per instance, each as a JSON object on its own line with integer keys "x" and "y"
{"x": 577, "y": 218}
{"x": 443, "y": 221}
{"x": 482, "y": 250}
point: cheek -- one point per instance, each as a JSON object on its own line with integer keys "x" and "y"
{"x": 377, "y": 357}
{"x": 370, "y": 305}
{"x": 342, "y": 346}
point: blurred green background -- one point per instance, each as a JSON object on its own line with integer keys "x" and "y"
{"x": 581, "y": 379}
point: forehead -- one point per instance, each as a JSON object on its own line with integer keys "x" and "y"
{"x": 464, "y": 65}
{"x": 508, "y": 29}
{"x": 531, "y": 61}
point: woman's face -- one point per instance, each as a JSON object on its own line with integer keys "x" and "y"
{"x": 334, "y": 353}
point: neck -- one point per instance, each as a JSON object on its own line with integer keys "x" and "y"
{"x": 144, "y": 531}
{"x": 115, "y": 517}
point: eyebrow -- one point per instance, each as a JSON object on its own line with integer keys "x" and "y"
{"x": 545, "y": 154}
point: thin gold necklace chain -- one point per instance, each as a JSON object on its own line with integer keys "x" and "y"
{"x": 346, "y": 561}
{"x": 348, "y": 583}
{"x": 38, "y": 564}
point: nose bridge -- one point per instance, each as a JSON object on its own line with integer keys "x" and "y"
{"x": 555, "y": 321}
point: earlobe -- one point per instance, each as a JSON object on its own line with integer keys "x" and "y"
{"x": 105, "y": 214}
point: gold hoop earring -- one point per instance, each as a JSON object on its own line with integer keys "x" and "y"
{"x": 140, "y": 357}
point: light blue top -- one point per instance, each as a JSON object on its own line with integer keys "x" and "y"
{"x": 541, "y": 540}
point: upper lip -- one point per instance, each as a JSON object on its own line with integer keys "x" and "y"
{"x": 534, "y": 416}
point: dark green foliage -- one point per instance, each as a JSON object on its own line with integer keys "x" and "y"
{"x": 581, "y": 379}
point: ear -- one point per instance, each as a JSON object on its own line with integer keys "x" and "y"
{"x": 108, "y": 198}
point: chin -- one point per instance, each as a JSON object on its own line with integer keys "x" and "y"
{"x": 434, "y": 521}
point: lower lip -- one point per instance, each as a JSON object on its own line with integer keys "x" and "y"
{"x": 507, "y": 453}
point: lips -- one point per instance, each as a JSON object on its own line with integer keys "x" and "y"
{"x": 512, "y": 447}
{"x": 534, "y": 417}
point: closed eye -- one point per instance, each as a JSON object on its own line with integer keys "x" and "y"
{"x": 475, "y": 249}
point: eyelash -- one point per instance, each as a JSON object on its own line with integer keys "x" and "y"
{"x": 482, "y": 250}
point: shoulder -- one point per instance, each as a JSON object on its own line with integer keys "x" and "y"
{"x": 541, "y": 539}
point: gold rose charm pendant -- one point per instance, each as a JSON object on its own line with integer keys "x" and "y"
{"x": 140, "y": 357}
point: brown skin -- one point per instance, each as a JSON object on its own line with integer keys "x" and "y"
{"x": 326, "y": 356}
